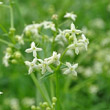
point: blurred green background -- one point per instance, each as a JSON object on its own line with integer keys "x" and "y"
{"x": 91, "y": 89}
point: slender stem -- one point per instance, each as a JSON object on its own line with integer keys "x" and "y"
{"x": 5, "y": 42}
{"x": 39, "y": 87}
{"x": 57, "y": 91}
{"x": 11, "y": 16}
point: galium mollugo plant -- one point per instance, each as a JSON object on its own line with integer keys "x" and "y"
{"x": 46, "y": 61}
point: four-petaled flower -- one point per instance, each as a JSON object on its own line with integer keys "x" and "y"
{"x": 49, "y": 24}
{"x": 71, "y": 69}
{"x": 76, "y": 45}
{"x": 55, "y": 58}
{"x": 33, "y": 49}
{"x": 32, "y": 65}
{"x": 70, "y": 15}
{"x": 74, "y": 30}
{"x": 61, "y": 36}
{"x": 84, "y": 40}
{"x": 44, "y": 66}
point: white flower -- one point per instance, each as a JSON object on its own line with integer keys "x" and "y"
{"x": 70, "y": 15}
{"x": 54, "y": 58}
{"x": 49, "y": 24}
{"x": 32, "y": 65}
{"x": 33, "y": 28}
{"x": 76, "y": 45}
{"x": 71, "y": 69}
{"x": 44, "y": 66}
{"x": 19, "y": 39}
{"x": 84, "y": 40}
{"x": 6, "y": 59}
{"x": 33, "y": 49}
{"x": 74, "y": 30}
{"x": 61, "y": 36}
{"x": 1, "y": 3}
{"x": 1, "y": 93}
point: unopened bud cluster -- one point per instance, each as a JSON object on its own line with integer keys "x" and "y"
{"x": 45, "y": 105}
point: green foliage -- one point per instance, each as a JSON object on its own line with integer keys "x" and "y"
{"x": 91, "y": 89}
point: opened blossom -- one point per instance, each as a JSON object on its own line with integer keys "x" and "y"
{"x": 33, "y": 49}
{"x": 55, "y": 58}
{"x": 71, "y": 69}
{"x": 44, "y": 66}
{"x": 6, "y": 59}
{"x": 32, "y": 65}
{"x": 84, "y": 40}
{"x": 70, "y": 15}
{"x": 76, "y": 45}
{"x": 49, "y": 25}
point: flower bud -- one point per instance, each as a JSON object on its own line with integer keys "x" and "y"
{"x": 54, "y": 99}
{"x": 48, "y": 108}
{"x": 9, "y": 50}
{"x": 27, "y": 33}
{"x": 13, "y": 61}
{"x": 53, "y": 104}
{"x": 17, "y": 54}
{"x": 55, "y": 17}
{"x": 33, "y": 107}
{"x": 45, "y": 104}
{"x": 71, "y": 38}
{"x": 67, "y": 35}
{"x": 12, "y": 30}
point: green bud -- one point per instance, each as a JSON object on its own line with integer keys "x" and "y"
{"x": 45, "y": 104}
{"x": 9, "y": 50}
{"x": 28, "y": 33}
{"x": 67, "y": 35}
{"x": 54, "y": 99}
{"x": 33, "y": 107}
{"x": 13, "y": 61}
{"x": 71, "y": 37}
{"x": 53, "y": 104}
{"x": 17, "y": 54}
{"x": 48, "y": 108}
{"x": 12, "y": 30}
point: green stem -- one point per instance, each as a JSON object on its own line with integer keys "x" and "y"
{"x": 57, "y": 91}
{"x": 5, "y": 42}
{"x": 39, "y": 87}
{"x": 11, "y": 16}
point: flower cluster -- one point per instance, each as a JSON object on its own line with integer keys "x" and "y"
{"x": 45, "y": 105}
{"x": 37, "y": 64}
{"x": 74, "y": 37}
{"x": 10, "y": 56}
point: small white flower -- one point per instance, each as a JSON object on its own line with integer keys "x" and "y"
{"x": 6, "y": 59}
{"x": 61, "y": 36}
{"x": 1, "y": 3}
{"x": 33, "y": 49}
{"x": 44, "y": 66}
{"x": 1, "y": 93}
{"x": 74, "y": 30}
{"x": 70, "y": 15}
{"x": 19, "y": 39}
{"x": 33, "y": 28}
{"x": 84, "y": 40}
{"x": 71, "y": 69}
{"x": 49, "y": 24}
{"x": 76, "y": 45}
{"x": 32, "y": 65}
{"x": 54, "y": 58}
